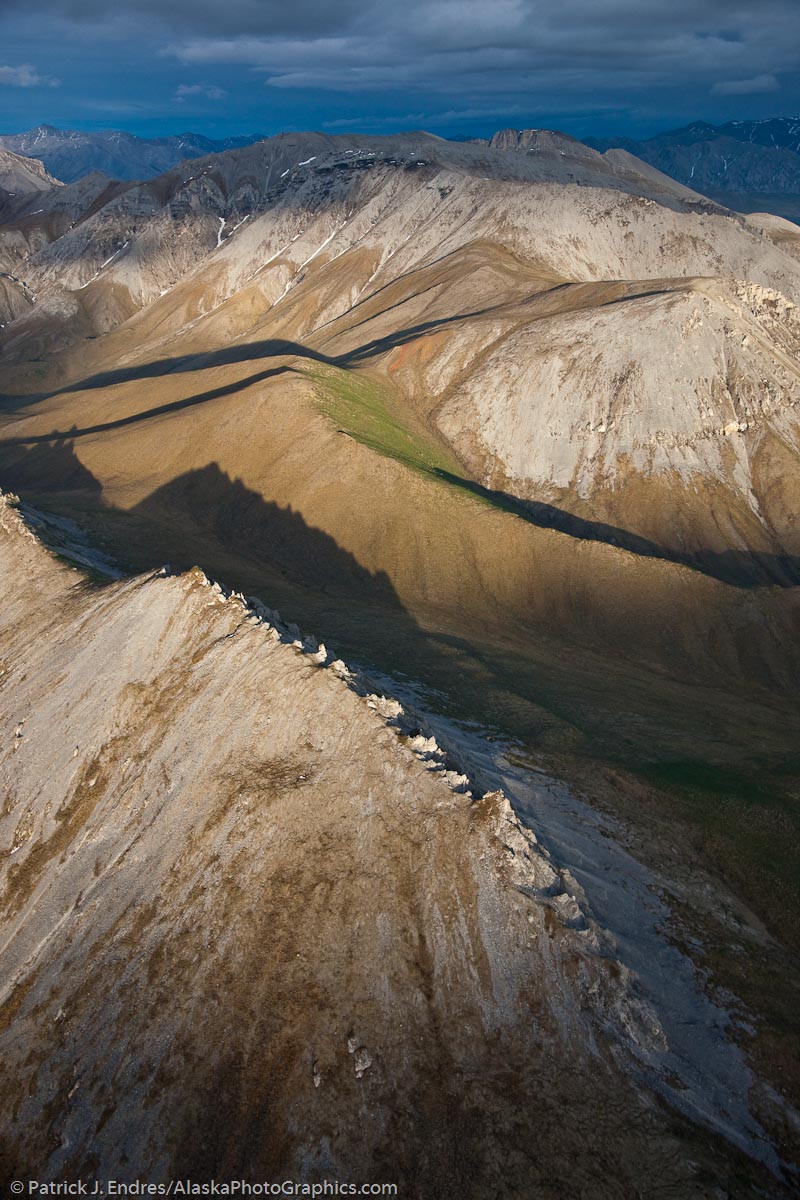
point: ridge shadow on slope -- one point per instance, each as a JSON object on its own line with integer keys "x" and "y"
{"x": 232, "y": 355}
{"x": 205, "y": 518}
{"x": 238, "y": 536}
{"x": 739, "y": 568}
{"x": 207, "y": 505}
{"x": 208, "y": 500}
{"x": 50, "y": 467}
{"x": 226, "y": 357}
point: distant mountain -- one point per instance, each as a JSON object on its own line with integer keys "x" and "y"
{"x": 747, "y": 165}
{"x": 775, "y": 132}
{"x": 69, "y": 154}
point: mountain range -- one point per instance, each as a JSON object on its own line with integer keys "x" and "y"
{"x": 514, "y": 428}
{"x": 69, "y": 154}
{"x": 746, "y": 165}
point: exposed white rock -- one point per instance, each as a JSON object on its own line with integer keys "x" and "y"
{"x": 362, "y": 1061}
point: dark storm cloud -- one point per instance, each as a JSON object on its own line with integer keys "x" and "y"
{"x": 454, "y": 56}
{"x": 228, "y": 17}
{"x": 647, "y": 36}
{"x": 513, "y": 47}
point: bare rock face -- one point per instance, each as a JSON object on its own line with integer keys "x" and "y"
{"x": 21, "y": 177}
{"x": 248, "y": 930}
{"x": 677, "y": 387}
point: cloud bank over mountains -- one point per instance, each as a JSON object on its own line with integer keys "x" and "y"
{"x": 630, "y": 60}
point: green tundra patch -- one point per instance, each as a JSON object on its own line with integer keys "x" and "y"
{"x": 363, "y": 408}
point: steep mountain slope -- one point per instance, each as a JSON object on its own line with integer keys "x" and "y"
{"x": 519, "y": 426}
{"x": 689, "y": 437}
{"x": 769, "y": 131}
{"x": 668, "y": 405}
{"x": 251, "y": 932}
{"x": 785, "y": 234}
{"x": 748, "y": 165}
{"x": 534, "y": 141}
{"x": 24, "y": 183}
{"x": 70, "y": 153}
{"x": 327, "y": 370}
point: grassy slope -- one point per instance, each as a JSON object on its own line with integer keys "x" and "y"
{"x": 361, "y": 407}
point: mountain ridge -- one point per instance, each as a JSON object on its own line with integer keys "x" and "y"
{"x": 71, "y": 154}
{"x": 204, "y": 792}
{"x": 735, "y": 163}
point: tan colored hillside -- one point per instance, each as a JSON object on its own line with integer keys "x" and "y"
{"x": 342, "y": 402}
{"x": 569, "y": 340}
{"x": 518, "y": 429}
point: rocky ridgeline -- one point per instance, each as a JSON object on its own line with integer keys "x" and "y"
{"x": 248, "y": 842}
{"x": 529, "y": 863}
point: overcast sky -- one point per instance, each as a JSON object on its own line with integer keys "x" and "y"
{"x": 454, "y": 67}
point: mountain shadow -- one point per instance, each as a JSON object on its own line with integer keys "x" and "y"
{"x": 230, "y": 519}
{"x": 46, "y": 467}
{"x": 160, "y": 410}
{"x": 740, "y": 568}
{"x": 207, "y": 499}
{"x": 268, "y": 348}
{"x": 543, "y": 690}
{"x": 206, "y": 518}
